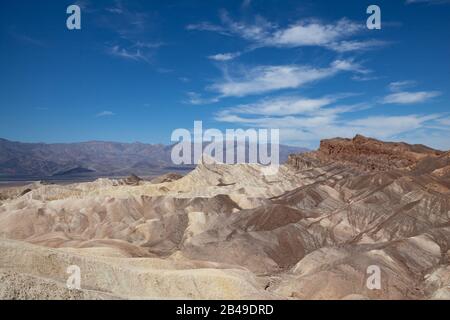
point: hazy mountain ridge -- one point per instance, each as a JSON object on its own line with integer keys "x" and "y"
{"x": 101, "y": 158}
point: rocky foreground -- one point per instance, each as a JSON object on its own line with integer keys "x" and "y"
{"x": 229, "y": 232}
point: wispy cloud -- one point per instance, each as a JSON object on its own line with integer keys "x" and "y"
{"x": 400, "y": 85}
{"x": 129, "y": 54}
{"x": 262, "y": 79}
{"x": 303, "y": 121}
{"x": 314, "y": 33}
{"x": 225, "y": 56}
{"x": 400, "y": 96}
{"x": 355, "y": 45}
{"x": 308, "y": 32}
{"x": 127, "y": 22}
{"x": 207, "y": 26}
{"x": 133, "y": 29}
{"x": 387, "y": 126}
{"x": 197, "y": 99}
{"x": 410, "y": 97}
{"x": 308, "y": 130}
{"x": 26, "y": 39}
{"x": 137, "y": 51}
{"x": 282, "y": 106}
{"x": 364, "y": 77}
{"x": 267, "y": 110}
{"x": 148, "y": 45}
{"x": 105, "y": 114}
{"x": 445, "y": 121}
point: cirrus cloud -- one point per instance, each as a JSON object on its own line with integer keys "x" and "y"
{"x": 105, "y": 113}
{"x": 308, "y": 32}
{"x": 225, "y": 56}
{"x": 303, "y": 121}
{"x": 262, "y": 79}
{"x": 406, "y": 97}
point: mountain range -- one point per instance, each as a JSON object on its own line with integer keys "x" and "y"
{"x": 92, "y": 159}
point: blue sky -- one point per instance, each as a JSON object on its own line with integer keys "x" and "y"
{"x": 137, "y": 70}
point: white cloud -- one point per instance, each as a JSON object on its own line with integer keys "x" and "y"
{"x": 263, "y": 79}
{"x": 437, "y": 139}
{"x": 147, "y": 45}
{"x": 257, "y": 32}
{"x": 105, "y": 114}
{"x": 310, "y": 129}
{"x": 283, "y": 106}
{"x": 129, "y": 23}
{"x": 364, "y": 78}
{"x": 197, "y": 99}
{"x": 410, "y": 97}
{"x": 225, "y": 56}
{"x": 355, "y": 45}
{"x": 400, "y": 85}
{"x": 387, "y": 126}
{"x": 304, "y": 121}
{"x": 206, "y": 26}
{"x": 349, "y": 65}
{"x": 293, "y": 105}
{"x": 400, "y": 96}
{"x": 132, "y": 28}
{"x": 444, "y": 121}
{"x": 313, "y": 33}
{"x": 129, "y": 54}
{"x": 309, "y": 32}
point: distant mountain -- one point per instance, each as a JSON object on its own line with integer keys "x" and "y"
{"x": 74, "y": 171}
{"x": 94, "y": 158}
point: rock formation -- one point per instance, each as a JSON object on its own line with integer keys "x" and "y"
{"x": 371, "y": 154}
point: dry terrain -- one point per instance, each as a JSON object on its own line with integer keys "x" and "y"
{"x": 310, "y": 231}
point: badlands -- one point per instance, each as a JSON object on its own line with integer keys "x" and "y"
{"x": 311, "y": 231}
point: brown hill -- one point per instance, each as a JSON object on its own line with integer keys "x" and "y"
{"x": 367, "y": 154}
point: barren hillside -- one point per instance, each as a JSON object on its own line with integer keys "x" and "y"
{"x": 229, "y": 231}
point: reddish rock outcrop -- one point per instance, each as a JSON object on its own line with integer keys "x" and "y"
{"x": 366, "y": 154}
